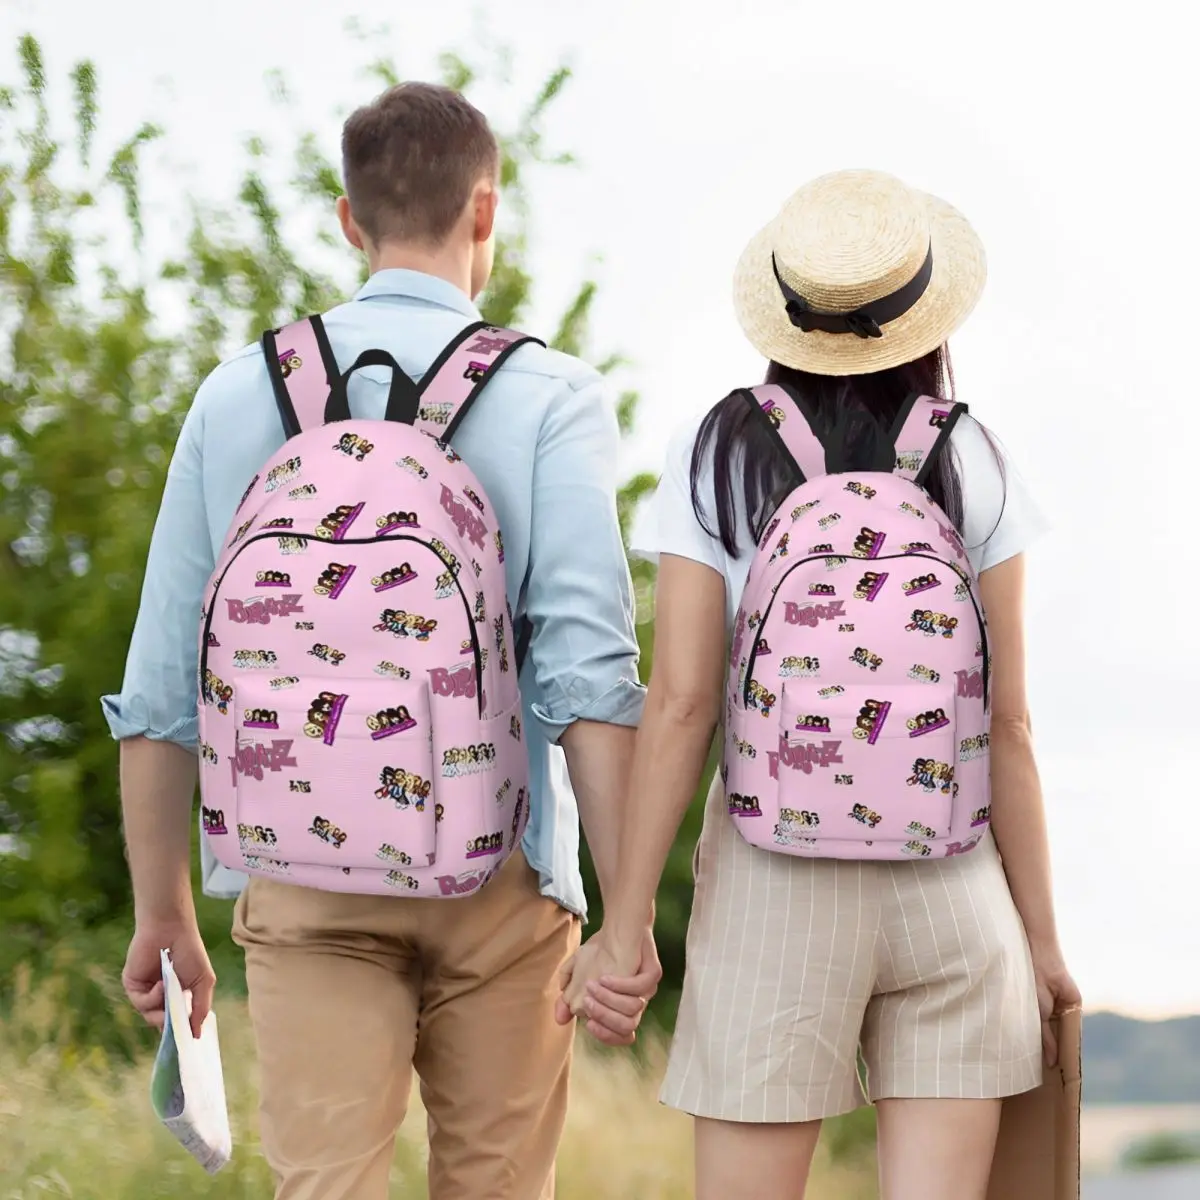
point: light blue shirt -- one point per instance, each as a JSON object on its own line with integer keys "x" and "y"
{"x": 542, "y": 439}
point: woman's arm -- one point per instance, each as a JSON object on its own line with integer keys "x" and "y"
{"x": 683, "y": 706}
{"x": 1018, "y": 814}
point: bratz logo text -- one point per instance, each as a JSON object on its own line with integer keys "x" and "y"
{"x": 460, "y": 682}
{"x": 260, "y": 611}
{"x": 465, "y": 521}
{"x": 803, "y": 756}
{"x": 811, "y": 614}
{"x": 253, "y": 759}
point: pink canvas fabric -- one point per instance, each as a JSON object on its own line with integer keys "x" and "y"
{"x": 857, "y": 720}
{"x": 360, "y": 716}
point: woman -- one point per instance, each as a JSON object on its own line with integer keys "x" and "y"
{"x": 934, "y": 970}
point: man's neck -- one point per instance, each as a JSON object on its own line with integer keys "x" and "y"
{"x": 449, "y": 263}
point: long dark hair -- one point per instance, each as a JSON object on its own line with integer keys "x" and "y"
{"x": 854, "y": 414}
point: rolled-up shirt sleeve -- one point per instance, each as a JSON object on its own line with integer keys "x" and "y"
{"x": 579, "y": 595}
{"x": 158, "y": 697}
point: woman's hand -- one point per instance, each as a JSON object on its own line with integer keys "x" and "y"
{"x": 1056, "y": 993}
{"x": 609, "y": 987}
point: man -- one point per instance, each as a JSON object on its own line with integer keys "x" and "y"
{"x": 348, "y": 993}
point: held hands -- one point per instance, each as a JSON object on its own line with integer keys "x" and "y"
{"x": 142, "y": 977}
{"x": 609, "y": 987}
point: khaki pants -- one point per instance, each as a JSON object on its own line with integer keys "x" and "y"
{"x": 349, "y": 993}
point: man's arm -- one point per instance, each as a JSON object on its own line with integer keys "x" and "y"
{"x": 579, "y": 599}
{"x": 155, "y": 718}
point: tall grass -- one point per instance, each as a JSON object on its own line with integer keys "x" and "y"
{"x": 76, "y": 1122}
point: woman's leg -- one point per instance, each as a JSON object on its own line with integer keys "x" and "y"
{"x": 936, "y": 1149}
{"x": 753, "y": 1161}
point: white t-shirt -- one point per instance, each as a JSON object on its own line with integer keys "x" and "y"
{"x": 1000, "y": 517}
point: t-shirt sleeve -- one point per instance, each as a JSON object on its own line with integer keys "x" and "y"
{"x": 1000, "y": 516}
{"x": 670, "y": 525}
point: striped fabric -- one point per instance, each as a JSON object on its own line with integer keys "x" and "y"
{"x": 793, "y": 965}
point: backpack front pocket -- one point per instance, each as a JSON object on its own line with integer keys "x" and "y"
{"x": 868, "y": 764}
{"x": 333, "y": 774}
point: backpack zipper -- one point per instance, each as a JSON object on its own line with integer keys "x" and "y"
{"x": 849, "y": 558}
{"x": 361, "y": 541}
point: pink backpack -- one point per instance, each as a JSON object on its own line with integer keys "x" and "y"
{"x": 360, "y": 715}
{"x": 858, "y": 709}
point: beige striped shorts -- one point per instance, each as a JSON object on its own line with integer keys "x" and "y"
{"x": 796, "y": 967}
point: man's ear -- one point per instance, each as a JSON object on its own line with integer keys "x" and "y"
{"x": 350, "y": 230}
{"x": 487, "y": 197}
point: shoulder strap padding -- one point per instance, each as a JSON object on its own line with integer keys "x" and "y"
{"x": 791, "y": 423}
{"x": 919, "y": 434}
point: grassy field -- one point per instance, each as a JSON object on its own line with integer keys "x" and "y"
{"x": 74, "y": 1125}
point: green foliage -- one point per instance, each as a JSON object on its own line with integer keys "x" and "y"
{"x": 1162, "y": 1149}
{"x": 93, "y": 386}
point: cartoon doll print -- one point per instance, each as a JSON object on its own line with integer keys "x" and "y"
{"x": 828, "y": 521}
{"x": 414, "y": 468}
{"x": 328, "y": 832}
{"x": 801, "y": 509}
{"x": 256, "y": 835}
{"x": 743, "y": 806}
{"x": 981, "y": 816}
{"x": 916, "y": 849}
{"x": 327, "y": 654}
{"x": 260, "y": 718}
{"x": 214, "y": 821}
{"x": 333, "y": 580}
{"x": 255, "y": 660}
{"x": 354, "y": 446}
{"x": 306, "y": 491}
{"x": 405, "y": 788}
{"x": 283, "y": 682}
{"x": 930, "y": 776}
{"x": 246, "y": 494}
{"x": 468, "y": 760}
{"x": 932, "y": 623}
{"x": 404, "y": 625}
{"x": 389, "y": 721}
{"x": 279, "y": 523}
{"x": 909, "y": 460}
{"x": 870, "y": 720}
{"x": 488, "y": 844}
{"x": 393, "y": 577}
{"x": 923, "y": 674}
{"x": 911, "y": 510}
{"x": 927, "y": 722}
{"x": 335, "y": 525}
{"x": 812, "y": 724}
{"x": 822, "y": 589}
{"x": 398, "y": 879}
{"x": 861, "y": 489}
{"x": 868, "y": 587}
{"x": 283, "y": 474}
{"x": 518, "y": 813}
{"x": 292, "y": 545}
{"x": 868, "y": 543}
{"x": 399, "y": 519}
{"x": 834, "y": 689}
{"x": 864, "y": 815}
{"x": 795, "y": 666}
{"x": 917, "y": 830}
{"x": 388, "y": 853}
{"x": 289, "y": 361}
{"x": 217, "y": 692}
{"x": 865, "y": 658}
{"x": 302, "y": 786}
{"x": 514, "y": 727}
{"x": 922, "y": 583}
{"x": 499, "y": 543}
{"x": 781, "y": 550}
{"x": 761, "y": 648}
{"x": 324, "y": 713}
{"x": 279, "y": 579}
{"x": 917, "y": 547}
{"x": 501, "y": 642}
{"x": 759, "y": 698}
{"x": 390, "y": 670}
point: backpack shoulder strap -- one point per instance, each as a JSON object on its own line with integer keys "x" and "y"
{"x": 453, "y": 383}
{"x": 920, "y": 433}
{"x": 787, "y": 416}
{"x": 302, "y": 369}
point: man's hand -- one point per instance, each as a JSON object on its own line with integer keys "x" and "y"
{"x": 142, "y": 977}
{"x": 609, "y": 988}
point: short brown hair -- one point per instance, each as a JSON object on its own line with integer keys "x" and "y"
{"x": 410, "y": 159}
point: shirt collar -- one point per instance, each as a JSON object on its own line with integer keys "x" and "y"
{"x": 397, "y": 281}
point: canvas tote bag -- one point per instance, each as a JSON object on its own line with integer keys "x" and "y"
{"x": 1037, "y": 1152}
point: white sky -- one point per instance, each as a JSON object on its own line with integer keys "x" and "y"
{"x": 1067, "y": 137}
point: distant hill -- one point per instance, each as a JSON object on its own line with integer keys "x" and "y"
{"x": 1140, "y": 1062}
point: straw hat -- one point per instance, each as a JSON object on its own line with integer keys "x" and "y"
{"x": 857, "y": 273}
